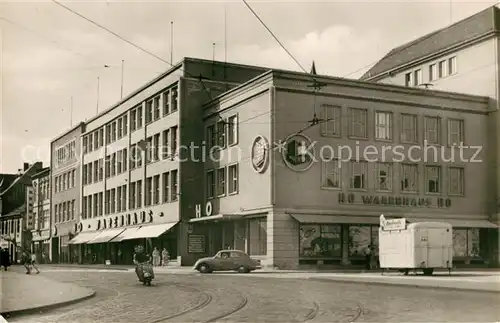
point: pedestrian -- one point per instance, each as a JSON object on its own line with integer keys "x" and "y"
{"x": 33, "y": 262}
{"x": 26, "y": 261}
{"x": 119, "y": 256}
{"x": 368, "y": 258}
{"x": 4, "y": 258}
{"x": 156, "y": 257}
{"x": 164, "y": 257}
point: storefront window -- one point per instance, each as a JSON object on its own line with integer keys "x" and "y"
{"x": 359, "y": 239}
{"x": 320, "y": 241}
{"x": 466, "y": 242}
{"x": 258, "y": 236}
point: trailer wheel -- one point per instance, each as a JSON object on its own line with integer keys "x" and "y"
{"x": 406, "y": 271}
{"x": 428, "y": 271}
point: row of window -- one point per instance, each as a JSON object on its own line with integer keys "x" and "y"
{"x": 216, "y": 180}
{"x": 92, "y": 172}
{"x": 384, "y": 126}
{"x": 115, "y": 200}
{"x": 41, "y": 219}
{"x": 65, "y": 153}
{"x": 118, "y": 128}
{"x": 223, "y": 133}
{"x": 65, "y": 181}
{"x": 11, "y": 226}
{"x": 155, "y": 151}
{"x": 384, "y": 177}
{"x": 436, "y": 71}
{"x": 41, "y": 189}
{"x": 64, "y": 211}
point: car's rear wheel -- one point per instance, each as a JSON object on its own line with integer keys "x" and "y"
{"x": 204, "y": 268}
{"x": 243, "y": 269}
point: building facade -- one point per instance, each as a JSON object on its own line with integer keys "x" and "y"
{"x": 463, "y": 57}
{"x": 15, "y": 209}
{"x": 65, "y": 193}
{"x": 280, "y": 188}
{"x": 40, "y": 229}
{"x": 134, "y": 188}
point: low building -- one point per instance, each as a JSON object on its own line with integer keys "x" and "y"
{"x": 40, "y": 230}
{"x": 283, "y": 187}
{"x": 14, "y": 209}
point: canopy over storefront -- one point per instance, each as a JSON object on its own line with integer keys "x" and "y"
{"x": 334, "y": 219}
{"x": 106, "y": 236}
{"x": 84, "y": 237}
{"x": 146, "y": 231}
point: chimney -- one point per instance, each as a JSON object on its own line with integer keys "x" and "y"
{"x": 26, "y": 166}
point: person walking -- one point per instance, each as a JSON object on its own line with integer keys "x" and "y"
{"x": 368, "y": 258}
{"x": 26, "y": 261}
{"x": 33, "y": 262}
{"x": 4, "y": 258}
{"x": 156, "y": 257}
{"x": 164, "y": 257}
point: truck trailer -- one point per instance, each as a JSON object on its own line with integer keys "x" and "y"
{"x": 421, "y": 246}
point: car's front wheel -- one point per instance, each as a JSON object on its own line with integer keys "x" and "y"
{"x": 204, "y": 268}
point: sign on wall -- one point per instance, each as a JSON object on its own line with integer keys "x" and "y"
{"x": 196, "y": 243}
{"x": 427, "y": 202}
{"x": 207, "y": 211}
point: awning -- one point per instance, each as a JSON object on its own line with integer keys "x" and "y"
{"x": 458, "y": 223}
{"x": 128, "y": 234}
{"x": 84, "y": 237}
{"x": 152, "y": 231}
{"x": 106, "y": 236}
{"x": 334, "y": 219}
{"x": 217, "y": 217}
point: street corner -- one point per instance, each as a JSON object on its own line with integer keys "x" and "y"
{"x": 26, "y": 294}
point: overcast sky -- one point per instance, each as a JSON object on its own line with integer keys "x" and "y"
{"x": 51, "y": 55}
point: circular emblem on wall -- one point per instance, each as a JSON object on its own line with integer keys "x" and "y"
{"x": 260, "y": 154}
{"x": 298, "y": 152}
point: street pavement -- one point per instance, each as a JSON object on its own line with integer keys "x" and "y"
{"x": 257, "y": 298}
{"x": 20, "y": 292}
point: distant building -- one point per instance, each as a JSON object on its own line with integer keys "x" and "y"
{"x": 65, "y": 166}
{"x": 15, "y": 207}
{"x": 40, "y": 229}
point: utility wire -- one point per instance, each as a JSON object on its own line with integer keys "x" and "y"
{"x": 132, "y": 44}
{"x": 274, "y": 36}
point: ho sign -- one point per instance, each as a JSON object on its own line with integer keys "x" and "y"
{"x": 208, "y": 210}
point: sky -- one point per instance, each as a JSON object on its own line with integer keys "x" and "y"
{"x": 52, "y": 57}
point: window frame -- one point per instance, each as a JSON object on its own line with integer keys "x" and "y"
{"x": 389, "y": 176}
{"x": 233, "y": 188}
{"x": 437, "y": 130}
{"x": 353, "y": 124}
{"x": 388, "y": 128}
{"x": 462, "y": 131}
{"x": 417, "y": 178}
{"x": 461, "y": 170}
{"x": 364, "y": 175}
{"x": 336, "y": 121}
{"x": 415, "y": 130}
{"x": 336, "y": 163}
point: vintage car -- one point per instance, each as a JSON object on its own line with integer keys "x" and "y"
{"x": 227, "y": 260}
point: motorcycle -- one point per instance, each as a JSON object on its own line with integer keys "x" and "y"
{"x": 145, "y": 273}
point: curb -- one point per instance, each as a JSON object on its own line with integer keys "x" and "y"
{"x": 87, "y": 267}
{"x": 405, "y": 285}
{"x": 49, "y": 307}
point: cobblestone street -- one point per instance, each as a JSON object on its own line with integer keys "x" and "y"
{"x": 243, "y": 298}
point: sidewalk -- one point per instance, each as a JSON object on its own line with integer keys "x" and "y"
{"x": 23, "y": 294}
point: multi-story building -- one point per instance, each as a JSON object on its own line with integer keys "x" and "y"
{"x": 40, "y": 230}
{"x": 280, "y": 188}
{"x": 65, "y": 192}
{"x": 462, "y": 57}
{"x": 134, "y": 182}
{"x": 14, "y": 209}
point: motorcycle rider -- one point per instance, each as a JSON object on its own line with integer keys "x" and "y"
{"x": 140, "y": 257}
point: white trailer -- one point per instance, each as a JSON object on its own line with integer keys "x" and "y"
{"x": 419, "y": 246}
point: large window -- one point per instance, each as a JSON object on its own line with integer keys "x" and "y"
{"x": 257, "y": 236}
{"x": 331, "y": 127}
{"x": 383, "y": 125}
{"x": 384, "y": 177}
{"x": 358, "y": 174}
{"x": 320, "y": 241}
{"x": 432, "y": 130}
{"x": 409, "y": 178}
{"x": 361, "y": 237}
{"x": 358, "y": 125}
{"x": 331, "y": 174}
{"x": 466, "y": 243}
{"x": 409, "y": 132}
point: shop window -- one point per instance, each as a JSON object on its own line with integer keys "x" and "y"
{"x": 361, "y": 237}
{"x": 257, "y": 229}
{"x": 466, "y": 243}
{"x": 320, "y": 241}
